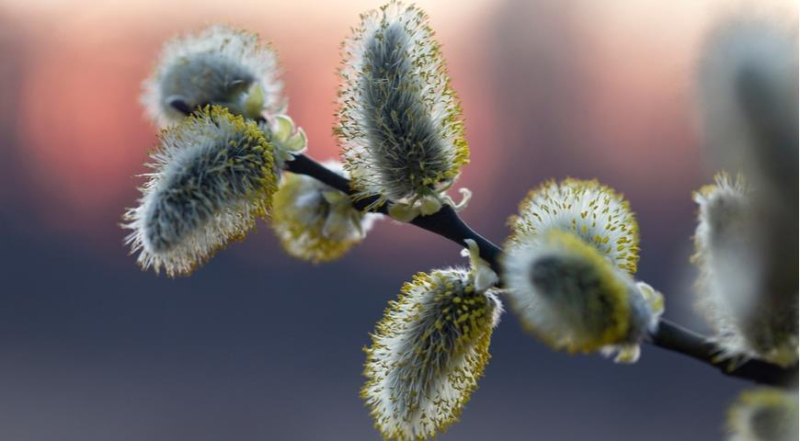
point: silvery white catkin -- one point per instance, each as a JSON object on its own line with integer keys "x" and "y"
{"x": 747, "y": 237}
{"x": 219, "y": 65}
{"x": 752, "y": 318}
{"x": 568, "y": 268}
{"x": 213, "y": 174}
{"x": 764, "y": 414}
{"x": 430, "y": 349}
{"x": 400, "y": 121}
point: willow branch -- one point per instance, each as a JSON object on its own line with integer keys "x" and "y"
{"x": 448, "y": 224}
{"x": 445, "y": 222}
{"x": 669, "y": 336}
{"x": 673, "y": 337}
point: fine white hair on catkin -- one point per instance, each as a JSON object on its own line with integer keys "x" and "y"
{"x": 400, "y": 121}
{"x": 752, "y": 316}
{"x": 213, "y": 175}
{"x": 764, "y": 414}
{"x": 428, "y": 352}
{"x": 569, "y": 295}
{"x": 220, "y": 65}
{"x": 594, "y": 212}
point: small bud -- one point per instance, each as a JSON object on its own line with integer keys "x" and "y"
{"x": 764, "y": 415}
{"x": 569, "y": 294}
{"x": 752, "y": 316}
{"x": 646, "y": 310}
{"x": 400, "y": 120}
{"x": 316, "y": 222}
{"x": 428, "y": 352}
{"x": 287, "y": 139}
{"x": 220, "y": 66}
{"x": 214, "y": 174}
{"x": 485, "y": 277}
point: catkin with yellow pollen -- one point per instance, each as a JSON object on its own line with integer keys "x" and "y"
{"x": 764, "y": 414}
{"x": 213, "y": 175}
{"x": 568, "y": 268}
{"x": 594, "y": 212}
{"x": 399, "y": 120}
{"x": 429, "y": 350}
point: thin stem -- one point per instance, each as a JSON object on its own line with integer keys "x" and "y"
{"x": 673, "y": 337}
{"x": 669, "y": 336}
{"x": 445, "y": 222}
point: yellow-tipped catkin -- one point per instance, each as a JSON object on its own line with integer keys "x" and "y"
{"x": 568, "y": 268}
{"x": 764, "y": 414}
{"x": 429, "y": 351}
{"x": 400, "y": 121}
{"x": 592, "y": 211}
{"x": 213, "y": 175}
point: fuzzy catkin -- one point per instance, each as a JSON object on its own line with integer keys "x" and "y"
{"x": 219, "y": 65}
{"x": 594, "y": 212}
{"x": 751, "y": 314}
{"x": 427, "y": 354}
{"x": 399, "y": 119}
{"x": 214, "y": 174}
{"x": 568, "y": 267}
{"x": 764, "y": 414}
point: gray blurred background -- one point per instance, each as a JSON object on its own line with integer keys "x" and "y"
{"x": 257, "y": 346}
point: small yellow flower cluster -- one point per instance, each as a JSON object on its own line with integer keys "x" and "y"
{"x": 314, "y": 221}
{"x": 751, "y": 316}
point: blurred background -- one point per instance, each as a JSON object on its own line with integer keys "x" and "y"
{"x": 257, "y": 346}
